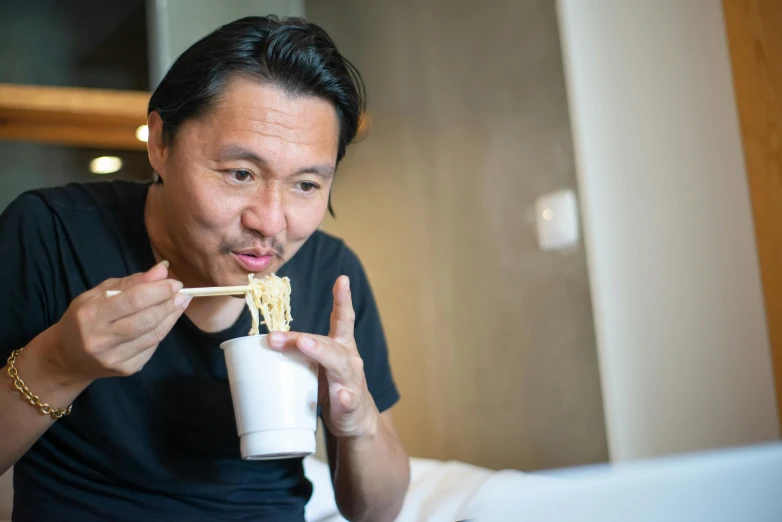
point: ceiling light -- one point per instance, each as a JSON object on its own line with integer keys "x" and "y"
{"x": 105, "y": 165}
{"x": 142, "y": 133}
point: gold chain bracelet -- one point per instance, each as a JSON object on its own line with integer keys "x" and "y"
{"x": 30, "y": 396}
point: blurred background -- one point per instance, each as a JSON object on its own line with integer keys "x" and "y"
{"x": 88, "y": 44}
{"x": 569, "y": 211}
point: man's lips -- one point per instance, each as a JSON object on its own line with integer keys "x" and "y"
{"x": 254, "y": 261}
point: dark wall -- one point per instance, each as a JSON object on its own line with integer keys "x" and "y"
{"x": 78, "y": 43}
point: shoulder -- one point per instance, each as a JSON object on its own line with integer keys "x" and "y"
{"x": 80, "y": 197}
{"x": 26, "y": 207}
{"x": 89, "y": 196}
{"x": 74, "y": 206}
{"x": 28, "y": 216}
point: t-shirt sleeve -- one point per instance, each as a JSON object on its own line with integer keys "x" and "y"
{"x": 28, "y": 271}
{"x": 370, "y": 336}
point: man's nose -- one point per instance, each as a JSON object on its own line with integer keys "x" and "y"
{"x": 268, "y": 213}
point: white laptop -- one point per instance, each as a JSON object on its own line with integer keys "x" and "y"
{"x": 731, "y": 485}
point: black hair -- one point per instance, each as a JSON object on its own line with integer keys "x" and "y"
{"x": 288, "y": 53}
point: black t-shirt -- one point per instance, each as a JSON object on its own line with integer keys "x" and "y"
{"x": 161, "y": 444}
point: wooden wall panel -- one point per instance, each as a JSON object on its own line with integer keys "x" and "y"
{"x": 754, "y": 29}
{"x": 96, "y": 118}
{"x": 491, "y": 339}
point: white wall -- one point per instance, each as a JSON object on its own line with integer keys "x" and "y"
{"x": 682, "y": 340}
{"x": 173, "y": 25}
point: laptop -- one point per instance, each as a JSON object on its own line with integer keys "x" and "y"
{"x": 729, "y": 485}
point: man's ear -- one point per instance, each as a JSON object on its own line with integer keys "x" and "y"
{"x": 157, "y": 149}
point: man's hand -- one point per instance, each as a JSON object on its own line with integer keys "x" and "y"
{"x": 369, "y": 467}
{"x": 348, "y": 409}
{"x": 101, "y": 336}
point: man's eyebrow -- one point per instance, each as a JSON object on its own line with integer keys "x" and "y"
{"x": 324, "y": 171}
{"x": 235, "y": 152}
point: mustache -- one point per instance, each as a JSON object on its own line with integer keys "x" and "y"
{"x": 251, "y": 239}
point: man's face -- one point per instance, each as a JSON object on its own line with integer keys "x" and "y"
{"x": 246, "y": 184}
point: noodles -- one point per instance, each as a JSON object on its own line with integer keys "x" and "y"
{"x": 270, "y": 298}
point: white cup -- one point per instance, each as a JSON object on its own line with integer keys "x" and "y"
{"x": 275, "y": 398}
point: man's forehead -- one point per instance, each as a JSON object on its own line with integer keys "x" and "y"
{"x": 252, "y": 107}
{"x": 273, "y": 104}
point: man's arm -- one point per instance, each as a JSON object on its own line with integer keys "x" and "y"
{"x": 21, "y": 424}
{"x": 28, "y": 279}
{"x": 96, "y": 337}
{"x": 370, "y": 474}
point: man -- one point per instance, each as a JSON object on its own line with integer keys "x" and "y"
{"x": 245, "y": 133}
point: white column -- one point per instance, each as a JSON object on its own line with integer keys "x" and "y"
{"x": 173, "y": 25}
{"x": 678, "y": 305}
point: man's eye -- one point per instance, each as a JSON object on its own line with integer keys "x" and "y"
{"x": 307, "y": 186}
{"x": 241, "y": 175}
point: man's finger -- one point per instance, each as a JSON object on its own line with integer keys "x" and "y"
{"x": 152, "y": 338}
{"x": 136, "y": 363}
{"x": 139, "y": 323}
{"x": 324, "y": 350}
{"x": 156, "y": 273}
{"x": 138, "y": 298}
{"x": 343, "y": 317}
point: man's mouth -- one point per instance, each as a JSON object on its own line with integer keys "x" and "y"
{"x": 255, "y": 260}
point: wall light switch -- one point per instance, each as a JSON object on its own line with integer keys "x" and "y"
{"x": 556, "y": 217}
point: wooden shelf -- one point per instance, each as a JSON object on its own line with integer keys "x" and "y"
{"x": 95, "y": 118}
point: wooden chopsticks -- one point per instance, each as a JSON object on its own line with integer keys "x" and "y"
{"x": 204, "y": 291}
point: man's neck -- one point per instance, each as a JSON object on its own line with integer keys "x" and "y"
{"x": 210, "y": 314}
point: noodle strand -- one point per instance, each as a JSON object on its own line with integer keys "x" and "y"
{"x": 270, "y": 298}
